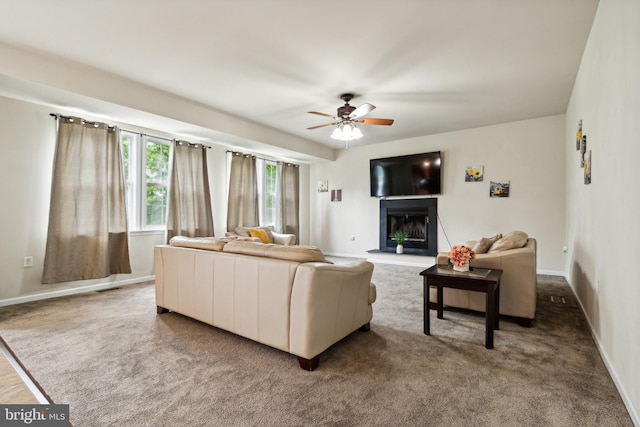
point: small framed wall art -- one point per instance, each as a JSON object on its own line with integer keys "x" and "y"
{"x": 474, "y": 174}
{"x": 587, "y": 168}
{"x": 499, "y": 188}
{"x": 579, "y": 135}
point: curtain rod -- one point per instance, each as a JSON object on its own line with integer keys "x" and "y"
{"x": 262, "y": 158}
{"x": 191, "y": 144}
{"x": 56, "y": 116}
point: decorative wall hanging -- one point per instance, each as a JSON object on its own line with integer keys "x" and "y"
{"x": 579, "y": 135}
{"x": 336, "y": 195}
{"x": 583, "y": 150}
{"x": 474, "y": 173}
{"x": 587, "y": 168}
{"x": 323, "y": 186}
{"x": 499, "y": 189}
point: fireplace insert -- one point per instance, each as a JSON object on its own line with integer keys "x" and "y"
{"x": 418, "y": 218}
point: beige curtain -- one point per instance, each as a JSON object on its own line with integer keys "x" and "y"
{"x": 87, "y": 235}
{"x": 190, "y": 211}
{"x": 243, "y": 191}
{"x": 288, "y": 199}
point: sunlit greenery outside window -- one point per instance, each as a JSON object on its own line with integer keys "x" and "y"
{"x": 146, "y": 168}
{"x": 270, "y": 186}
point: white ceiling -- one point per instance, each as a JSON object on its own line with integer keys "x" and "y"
{"x": 432, "y": 65}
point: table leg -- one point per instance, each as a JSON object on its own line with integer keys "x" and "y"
{"x": 497, "y": 299}
{"x": 440, "y": 303}
{"x": 490, "y": 314}
{"x": 425, "y": 297}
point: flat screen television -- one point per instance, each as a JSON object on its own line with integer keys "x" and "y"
{"x": 411, "y": 175}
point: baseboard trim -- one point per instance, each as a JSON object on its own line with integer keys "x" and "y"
{"x": 73, "y": 291}
{"x": 552, "y": 273}
{"x": 628, "y": 403}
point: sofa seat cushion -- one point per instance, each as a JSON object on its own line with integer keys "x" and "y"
{"x": 512, "y": 240}
{"x": 289, "y": 253}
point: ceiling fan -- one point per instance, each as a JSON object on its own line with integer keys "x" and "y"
{"x": 350, "y": 115}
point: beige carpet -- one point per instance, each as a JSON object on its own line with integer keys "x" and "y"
{"x": 116, "y": 362}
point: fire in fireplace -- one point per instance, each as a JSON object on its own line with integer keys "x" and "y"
{"x": 417, "y": 218}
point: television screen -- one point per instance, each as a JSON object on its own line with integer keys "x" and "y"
{"x": 412, "y": 175}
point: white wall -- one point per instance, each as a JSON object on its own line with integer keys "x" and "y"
{"x": 27, "y": 141}
{"x": 529, "y": 153}
{"x": 602, "y": 218}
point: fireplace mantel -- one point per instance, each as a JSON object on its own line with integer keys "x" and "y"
{"x": 417, "y": 217}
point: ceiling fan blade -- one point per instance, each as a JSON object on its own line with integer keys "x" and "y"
{"x": 322, "y": 114}
{"x": 379, "y": 122}
{"x": 321, "y": 126}
{"x": 361, "y": 111}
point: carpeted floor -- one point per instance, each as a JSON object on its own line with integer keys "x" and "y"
{"x": 116, "y": 362}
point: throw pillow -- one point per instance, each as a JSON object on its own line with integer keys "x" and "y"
{"x": 512, "y": 240}
{"x": 268, "y": 231}
{"x": 242, "y": 231}
{"x": 260, "y": 234}
{"x": 485, "y": 243}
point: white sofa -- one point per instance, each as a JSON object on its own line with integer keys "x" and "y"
{"x": 287, "y": 297}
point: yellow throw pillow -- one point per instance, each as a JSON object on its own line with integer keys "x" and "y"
{"x": 260, "y": 234}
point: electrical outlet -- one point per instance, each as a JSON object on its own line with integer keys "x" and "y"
{"x": 564, "y": 249}
{"x": 28, "y": 261}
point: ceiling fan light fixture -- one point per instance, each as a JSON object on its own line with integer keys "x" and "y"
{"x": 346, "y": 132}
{"x": 356, "y": 133}
{"x": 337, "y": 133}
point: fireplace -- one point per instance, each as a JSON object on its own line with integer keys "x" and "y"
{"x": 416, "y": 217}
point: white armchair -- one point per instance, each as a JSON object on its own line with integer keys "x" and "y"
{"x": 518, "y": 286}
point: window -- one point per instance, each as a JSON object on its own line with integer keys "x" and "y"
{"x": 270, "y": 178}
{"x": 267, "y": 172}
{"x": 146, "y": 169}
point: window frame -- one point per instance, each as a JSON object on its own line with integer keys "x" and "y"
{"x": 136, "y": 181}
{"x": 269, "y": 213}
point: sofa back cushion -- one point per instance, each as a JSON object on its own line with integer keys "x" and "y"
{"x": 289, "y": 253}
{"x": 206, "y": 243}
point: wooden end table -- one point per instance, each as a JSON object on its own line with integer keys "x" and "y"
{"x": 477, "y": 279}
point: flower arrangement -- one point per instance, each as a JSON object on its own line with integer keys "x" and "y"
{"x": 461, "y": 255}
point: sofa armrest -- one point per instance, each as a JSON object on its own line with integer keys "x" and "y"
{"x": 284, "y": 239}
{"x": 328, "y": 302}
{"x": 442, "y": 258}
